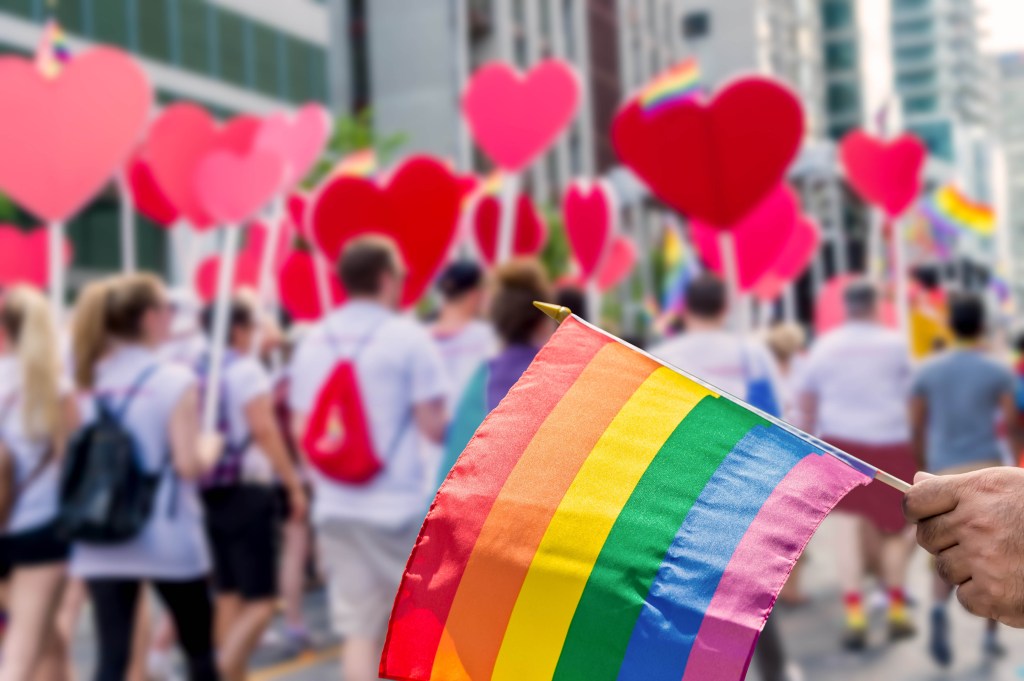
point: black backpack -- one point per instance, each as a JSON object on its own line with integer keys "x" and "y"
{"x": 106, "y": 495}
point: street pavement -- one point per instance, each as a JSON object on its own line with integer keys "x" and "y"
{"x": 811, "y": 636}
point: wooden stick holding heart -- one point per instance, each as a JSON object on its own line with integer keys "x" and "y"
{"x": 515, "y": 118}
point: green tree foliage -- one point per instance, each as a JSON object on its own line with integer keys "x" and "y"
{"x": 352, "y": 134}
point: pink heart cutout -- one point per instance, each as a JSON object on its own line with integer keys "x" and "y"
{"x": 24, "y": 256}
{"x": 531, "y": 233}
{"x": 298, "y": 139}
{"x": 231, "y": 187}
{"x": 590, "y": 215}
{"x": 515, "y": 117}
{"x": 249, "y": 263}
{"x": 795, "y": 257}
{"x": 619, "y": 262}
{"x": 63, "y": 139}
{"x": 179, "y": 140}
{"x": 887, "y": 174}
{"x": 759, "y": 238}
{"x": 830, "y": 312}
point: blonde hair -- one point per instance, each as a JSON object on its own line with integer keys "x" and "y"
{"x": 108, "y": 309}
{"x": 785, "y": 340}
{"x": 30, "y": 326}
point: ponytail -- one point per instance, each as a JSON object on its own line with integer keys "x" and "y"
{"x": 89, "y": 330}
{"x": 29, "y": 324}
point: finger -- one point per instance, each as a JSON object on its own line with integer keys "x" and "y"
{"x": 953, "y": 566}
{"x": 921, "y": 475}
{"x": 931, "y": 497}
{"x": 938, "y": 533}
{"x": 974, "y": 599}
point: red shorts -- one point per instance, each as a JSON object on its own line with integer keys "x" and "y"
{"x": 879, "y": 504}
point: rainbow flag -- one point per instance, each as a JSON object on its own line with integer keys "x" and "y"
{"x": 612, "y": 518}
{"x": 948, "y": 209}
{"x": 358, "y": 164}
{"x": 53, "y": 52}
{"x": 679, "y": 268}
{"x": 679, "y": 83}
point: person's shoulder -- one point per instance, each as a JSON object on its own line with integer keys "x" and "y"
{"x": 248, "y": 367}
{"x": 407, "y": 331}
{"x": 173, "y": 375}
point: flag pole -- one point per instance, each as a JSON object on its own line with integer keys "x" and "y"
{"x": 561, "y": 313}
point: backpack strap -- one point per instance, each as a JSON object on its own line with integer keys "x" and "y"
{"x": 44, "y": 461}
{"x": 133, "y": 392}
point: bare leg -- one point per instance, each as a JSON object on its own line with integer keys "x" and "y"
{"x": 70, "y": 610}
{"x": 295, "y": 552}
{"x": 247, "y": 628}
{"x": 850, "y": 554}
{"x": 360, "y": 659}
{"x": 140, "y": 640}
{"x": 226, "y": 609}
{"x": 34, "y": 598}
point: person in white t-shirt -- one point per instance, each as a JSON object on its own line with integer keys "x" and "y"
{"x": 239, "y": 497}
{"x": 465, "y": 340}
{"x": 367, "y": 531}
{"x": 37, "y": 413}
{"x": 854, "y": 391}
{"x": 745, "y": 369}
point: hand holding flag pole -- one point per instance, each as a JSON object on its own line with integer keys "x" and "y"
{"x": 560, "y": 314}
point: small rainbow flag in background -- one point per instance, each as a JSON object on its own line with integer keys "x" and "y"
{"x": 53, "y": 52}
{"x": 680, "y": 268}
{"x": 611, "y": 519}
{"x": 679, "y": 83}
{"x": 949, "y": 208}
{"x": 357, "y": 164}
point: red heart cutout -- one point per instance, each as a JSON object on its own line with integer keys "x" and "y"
{"x": 247, "y": 275}
{"x": 62, "y": 139}
{"x": 759, "y": 238}
{"x": 887, "y": 174}
{"x": 619, "y": 262}
{"x": 715, "y": 162}
{"x": 232, "y": 187}
{"x": 24, "y": 256}
{"x": 179, "y": 140}
{"x": 530, "y": 231}
{"x": 149, "y": 199}
{"x": 795, "y": 257}
{"x": 297, "y": 205}
{"x": 590, "y": 215}
{"x": 418, "y": 207}
{"x": 297, "y": 287}
{"x": 259, "y": 235}
{"x": 515, "y": 117}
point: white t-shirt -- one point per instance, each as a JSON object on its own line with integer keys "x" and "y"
{"x": 860, "y": 375}
{"x": 187, "y": 349}
{"x": 245, "y": 379}
{"x": 398, "y": 368}
{"x": 722, "y": 359}
{"x": 464, "y": 352}
{"x": 36, "y": 505}
{"x": 172, "y": 545}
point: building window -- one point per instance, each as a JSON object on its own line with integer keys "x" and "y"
{"x": 71, "y": 15}
{"x": 920, "y": 105}
{"x": 911, "y": 4}
{"x": 231, "y": 48}
{"x": 111, "y": 22}
{"x": 195, "y": 39}
{"x": 154, "y": 30}
{"x": 841, "y": 56}
{"x": 843, "y": 97}
{"x": 916, "y": 79}
{"x": 837, "y": 14}
{"x": 696, "y": 25}
{"x": 24, "y": 8}
{"x": 918, "y": 27}
{"x": 938, "y": 137}
{"x": 915, "y": 52}
{"x": 264, "y": 45}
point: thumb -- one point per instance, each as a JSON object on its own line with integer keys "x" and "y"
{"x": 931, "y": 496}
{"x": 921, "y": 476}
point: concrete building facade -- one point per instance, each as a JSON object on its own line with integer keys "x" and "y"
{"x": 1009, "y": 124}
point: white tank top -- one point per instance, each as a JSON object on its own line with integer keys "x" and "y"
{"x": 172, "y": 545}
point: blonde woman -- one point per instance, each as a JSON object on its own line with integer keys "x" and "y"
{"x": 120, "y": 324}
{"x": 37, "y": 412}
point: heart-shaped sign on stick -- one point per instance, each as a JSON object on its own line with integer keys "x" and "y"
{"x": 795, "y": 257}
{"x": 232, "y": 187}
{"x": 298, "y": 139}
{"x": 714, "y": 162}
{"x": 617, "y": 265}
{"x": 62, "y": 139}
{"x": 418, "y": 208}
{"x": 179, "y": 140}
{"x": 516, "y": 117}
{"x": 24, "y": 256}
{"x": 246, "y": 275}
{"x": 759, "y": 238}
{"x": 887, "y": 174}
{"x": 298, "y": 289}
{"x": 531, "y": 233}
{"x": 149, "y": 198}
{"x": 590, "y": 222}
{"x": 830, "y": 311}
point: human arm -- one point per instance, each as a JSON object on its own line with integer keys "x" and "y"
{"x": 259, "y": 415}
{"x": 191, "y": 455}
{"x": 974, "y": 525}
{"x": 432, "y": 419}
{"x": 1011, "y": 417}
{"x": 918, "y": 414}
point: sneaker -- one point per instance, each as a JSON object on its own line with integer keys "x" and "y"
{"x": 855, "y": 639}
{"x": 901, "y": 627}
{"x": 939, "y": 646}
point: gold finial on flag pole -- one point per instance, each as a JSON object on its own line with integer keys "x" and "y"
{"x": 556, "y": 312}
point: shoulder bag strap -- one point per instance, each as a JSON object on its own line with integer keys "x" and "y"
{"x": 47, "y": 457}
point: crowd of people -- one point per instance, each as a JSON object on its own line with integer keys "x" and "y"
{"x": 234, "y": 523}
